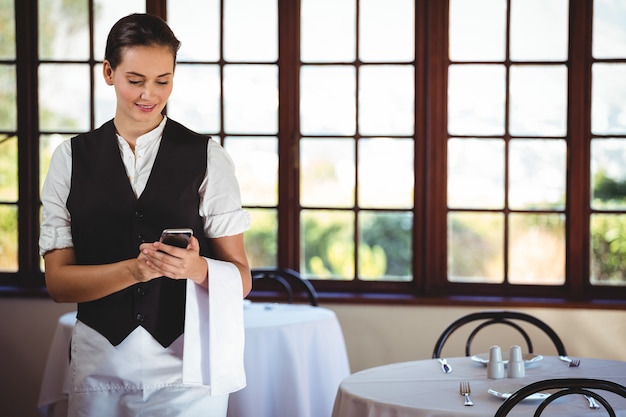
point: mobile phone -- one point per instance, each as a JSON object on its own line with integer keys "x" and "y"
{"x": 176, "y": 237}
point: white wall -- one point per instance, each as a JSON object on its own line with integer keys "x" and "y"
{"x": 374, "y": 335}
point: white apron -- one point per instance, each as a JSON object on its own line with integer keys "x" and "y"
{"x": 138, "y": 377}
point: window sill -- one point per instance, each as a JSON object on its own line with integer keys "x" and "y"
{"x": 8, "y": 291}
{"x": 460, "y": 300}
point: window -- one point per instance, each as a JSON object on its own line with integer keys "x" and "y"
{"x": 469, "y": 147}
{"x": 8, "y": 142}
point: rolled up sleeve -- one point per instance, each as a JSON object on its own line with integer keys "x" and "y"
{"x": 56, "y": 230}
{"x": 220, "y": 198}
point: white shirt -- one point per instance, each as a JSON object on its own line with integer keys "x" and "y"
{"x": 220, "y": 200}
{"x": 213, "y": 355}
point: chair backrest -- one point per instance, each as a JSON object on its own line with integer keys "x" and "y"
{"x": 488, "y": 318}
{"x": 283, "y": 280}
{"x": 565, "y": 386}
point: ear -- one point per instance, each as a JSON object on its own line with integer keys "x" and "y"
{"x": 107, "y": 72}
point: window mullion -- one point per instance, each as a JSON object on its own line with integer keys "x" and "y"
{"x": 435, "y": 230}
{"x": 28, "y": 136}
{"x": 579, "y": 128}
{"x": 288, "y": 133}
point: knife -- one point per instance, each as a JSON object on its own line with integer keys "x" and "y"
{"x": 445, "y": 367}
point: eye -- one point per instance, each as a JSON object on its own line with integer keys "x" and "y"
{"x": 163, "y": 82}
{"x": 134, "y": 82}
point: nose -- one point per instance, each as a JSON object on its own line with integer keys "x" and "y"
{"x": 146, "y": 94}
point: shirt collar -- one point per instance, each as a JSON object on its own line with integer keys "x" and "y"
{"x": 148, "y": 137}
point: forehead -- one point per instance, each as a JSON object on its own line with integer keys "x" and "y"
{"x": 147, "y": 60}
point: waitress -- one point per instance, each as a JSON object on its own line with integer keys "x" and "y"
{"x": 108, "y": 195}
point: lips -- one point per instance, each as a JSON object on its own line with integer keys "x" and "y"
{"x": 146, "y": 107}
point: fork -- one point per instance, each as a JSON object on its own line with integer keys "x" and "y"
{"x": 592, "y": 402}
{"x": 572, "y": 363}
{"x": 465, "y": 391}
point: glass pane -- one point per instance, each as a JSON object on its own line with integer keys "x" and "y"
{"x": 386, "y": 30}
{"x": 318, "y": 114}
{"x": 250, "y": 99}
{"x": 538, "y": 100}
{"x": 7, "y": 29}
{"x": 537, "y": 249}
{"x": 537, "y": 171}
{"x": 256, "y": 164}
{"x": 262, "y": 238}
{"x": 386, "y": 100}
{"x": 476, "y": 173}
{"x": 539, "y": 30}
{"x": 386, "y": 175}
{"x": 609, "y": 31}
{"x": 476, "y": 99}
{"x": 608, "y": 249}
{"x": 608, "y": 89}
{"x": 63, "y": 30}
{"x": 327, "y": 172}
{"x": 476, "y": 247}
{"x": 328, "y": 30}
{"x": 327, "y": 244}
{"x": 195, "y": 99}
{"x": 8, "y": 238}
{"x": 105, "y": 101}
{"x": 608, "y": 174}
{"x": 385, "y": 246}
{"x": 8, "y": 98}
{"x": 8, "y": 168}
{"x": 106, "y": 13}
{"x": 251, "y": 30}
{"x": 63, "y": 97}
{"x": 477, "y": 30}
{"x": 47, "y": 145}
{"x": 196, "y": 45}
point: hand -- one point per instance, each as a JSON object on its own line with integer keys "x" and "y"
{"x": 174, "y": 262}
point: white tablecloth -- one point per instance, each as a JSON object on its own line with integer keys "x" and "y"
{"x": 295, "y": 358}
{"x": 421, "y": 389}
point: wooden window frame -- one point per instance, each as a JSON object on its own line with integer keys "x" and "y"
{"x": 429, "y": 263}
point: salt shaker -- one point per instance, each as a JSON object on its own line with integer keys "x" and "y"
{"x": 495, "y": 366}
{"x": 516, "y": 367}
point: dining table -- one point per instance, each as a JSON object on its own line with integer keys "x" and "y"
{"x": 422, "y": 388}
{"x": 295, "y": 358}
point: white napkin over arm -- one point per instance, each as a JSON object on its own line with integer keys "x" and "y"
{"x": 213, "y": 352}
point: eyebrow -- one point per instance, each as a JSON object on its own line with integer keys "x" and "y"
{"x": 141, "y": 75}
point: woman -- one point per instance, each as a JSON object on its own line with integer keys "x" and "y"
{"x": 108, "y": 195}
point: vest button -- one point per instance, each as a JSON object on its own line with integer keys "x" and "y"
{"x": 139, "y": 214}
{"x": 140, "y": 317}
{"x": 141, "y": 291}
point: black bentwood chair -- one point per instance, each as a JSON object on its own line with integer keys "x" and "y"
{"x": 488, "y": 318}
{"x": 565, "y": 386}
{"x": 285, "y": 281}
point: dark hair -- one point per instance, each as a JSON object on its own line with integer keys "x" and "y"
{"x": 138, "y": 30}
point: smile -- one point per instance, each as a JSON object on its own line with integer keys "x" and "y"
{"x": 144, "y": 107}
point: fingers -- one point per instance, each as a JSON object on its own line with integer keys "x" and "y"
{"x": 170, "y": 261}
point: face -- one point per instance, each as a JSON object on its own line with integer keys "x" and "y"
{"x": 143, "y": 83}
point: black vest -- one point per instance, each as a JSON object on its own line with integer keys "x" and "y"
{"x": 109, "y": 223}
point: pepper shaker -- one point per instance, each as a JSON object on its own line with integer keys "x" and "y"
{"x": 495, "y": 367}
{"x": 516, "y": 367}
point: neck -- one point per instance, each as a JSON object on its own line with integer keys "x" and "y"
{"x": 131, "y": 130}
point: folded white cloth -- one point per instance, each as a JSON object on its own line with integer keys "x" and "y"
{"x": 214, "y": 331}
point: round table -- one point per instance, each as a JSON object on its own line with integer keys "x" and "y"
{"x": 295, "y": 357}
{"x": 421, "y": 389}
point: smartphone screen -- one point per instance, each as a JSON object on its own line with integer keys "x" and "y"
{"x": 176, "y": 237}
